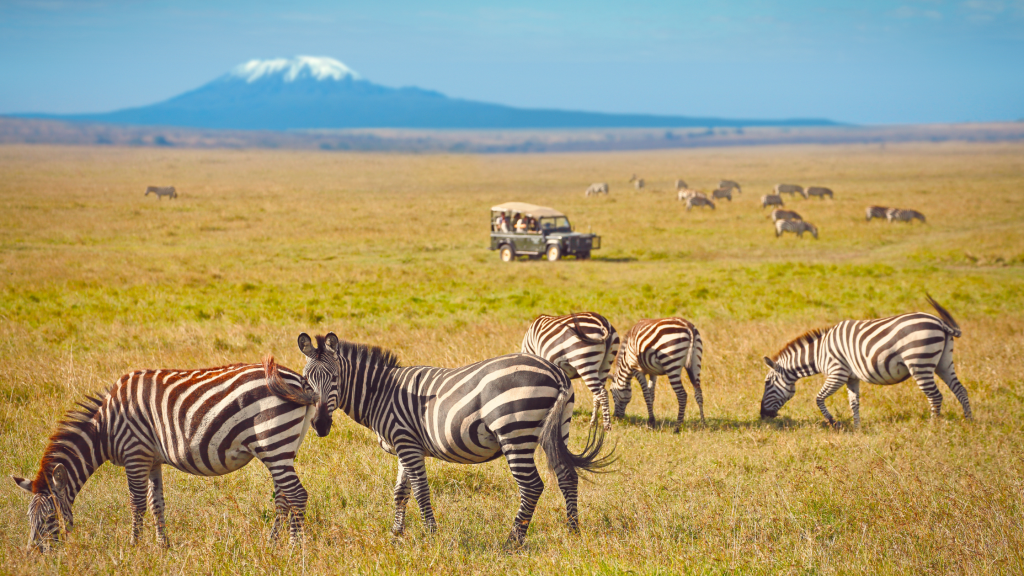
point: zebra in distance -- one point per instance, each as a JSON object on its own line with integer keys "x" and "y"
{"x": 771, "y": 200}
{"x": 681, "y": 184}
{"x": 477, "y": 413}
{"x": 790, "y": 189}
{"x": 899, "y": 215}
{"x": 730, "y": 185}
{"x": 819, "y": 191}
{"x": 596, "y": 188}
{"x": 684, "y": 195}
{"x": 780, "y": 214}
{"x": 722, "y": 193}
{"x": 883, "y": 351}
{"x": 875, "y": 212}
{"x": 583, "y": 345}
{"x": 637, "y": 182}
{"x": 699, "y": 202}
{"x": 162, "y": 191}
{"x": 206, "y": 422}
{"x": 658, "y": 348}
{"x": 798, "y": 227}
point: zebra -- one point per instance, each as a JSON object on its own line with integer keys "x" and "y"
{"x": 900, "y": 215}
{"x": 583, "y": 345}
{"x": 790, "y": 189}
{"x": 722, "y": 193}
{"x": 796, "y": 226}
{"x": 780, "y": 214}
{"x": 206, "y": 422}
{"x": 883, "y": 351}
{"x": 688, "y": 193}
{"x": 162, "y": 191}
{"x": 730, "y": 185}
{"x": 639, "y": 184}
{"x": 698, "y": 201}
{"x": 819, "y": 191}
{"x": 597, "y": 188}
{"x": 502, "y": 406}
{"x": 681, "y": 184}
{"x": 771, "y": 200}
{"x": 658, "y": 348}
{"x": 875, "y": 212}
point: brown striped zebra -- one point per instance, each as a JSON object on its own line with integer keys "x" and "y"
{"x": 583, "y": 345}
{"x": 206, "y": 422}
{"x": 653, "y": 348}
{"x": 875, "y": 212}
{"x": 771, "y": 200}
{"x": 884, "y": 351}
{"x": 900, "y": 215}
{"x": 780, "y": 214}
{"x": 819, "y": 191}
{"x": 798, "y": 227}
{"x": 790, "y": 189}
{"x": 698, "y": 202}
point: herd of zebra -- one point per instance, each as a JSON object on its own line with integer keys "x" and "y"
{"x": 214, "y": 421}
{"x": 783, "y": 220}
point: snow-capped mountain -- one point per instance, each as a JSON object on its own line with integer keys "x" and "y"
{"x": 311, "y": 92}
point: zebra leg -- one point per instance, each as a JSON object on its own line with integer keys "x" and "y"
{"x": 925, "y": 378}
{"x": 677, "y": 386}
{"x": 833, "y": 382}
{"x": 156, "y": 503}
{"x": 946, "y": 371}
{"x": 411, "y": 458}
{"x": 287, "y": 487}
{"x": 568, "y": 483}
{"x": 138, "y": 488}
{"x": 648, "y": 390}
{"x": 280, "y": 514}
{"x": 596, "y": 386}
{"x": 853, "y": 393}
{"x": 524, "y": 472}
{"x": 402, "y": 490}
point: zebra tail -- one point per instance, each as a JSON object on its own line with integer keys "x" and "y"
{"x": 583, "y": 336}
{"x": 280, "y": 389}
{"x": 693, "y": 344}
{"x": 950, "y": 325}
{"x": 560, "y": 458}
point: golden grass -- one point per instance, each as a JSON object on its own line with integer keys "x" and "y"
{"x": 390, "y": 249}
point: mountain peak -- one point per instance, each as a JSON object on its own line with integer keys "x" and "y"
{"x": 292, "y": 69}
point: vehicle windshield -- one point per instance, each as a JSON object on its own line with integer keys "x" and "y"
{"x": 555, "y": 224}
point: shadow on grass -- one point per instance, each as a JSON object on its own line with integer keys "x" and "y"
{"x": 613, "y": 259}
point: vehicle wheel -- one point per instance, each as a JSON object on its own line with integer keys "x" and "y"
{"x": 507, "y": 253}
{"x": 583, "y": 256}
{"x": 554, "y": 252}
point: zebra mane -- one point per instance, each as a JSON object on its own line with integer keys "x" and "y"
{"x": 76, "y": 422}
{"x": 365, "y": 353}
{"x": 809, "y": 336}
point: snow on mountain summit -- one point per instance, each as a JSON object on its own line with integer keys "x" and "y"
{"x": 291, "y": 69}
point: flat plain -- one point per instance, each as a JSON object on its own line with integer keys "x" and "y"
{"x": 391, "y": 249}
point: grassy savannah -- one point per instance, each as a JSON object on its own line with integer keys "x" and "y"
{"x": 390, "y": 249}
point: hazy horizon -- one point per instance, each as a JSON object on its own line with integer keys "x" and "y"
{"x": 872, "y": 63}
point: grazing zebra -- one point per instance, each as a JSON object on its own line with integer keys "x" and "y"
{"x": 771, "y": 200}
{"x": 206, "y": 422}
{"x": 584, "y": 346}
{"x": 639, "y": 184}
{"x": 796, "y": 226}
{"x": 503, "y": 406}
{"x": 884, "y": 351}
{"x": 730, "y": 185}
{"x": 162, "y": 191}
{"x": 875, "y": 212}
{"x": 818, "y": 191}
{"x": 658, "y": 348}
{"x": 688, "y": 193}
{"x": 681, "y": 185}
{"x": 722, "y": 193}
{"x": 698, "y": 201}
{"x": 790, "y": 189}
{"x": 597, "y": 188}
{"x": 780, "y": 214}
{"x": 899, "y": 215}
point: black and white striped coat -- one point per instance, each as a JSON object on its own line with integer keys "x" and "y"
{"x": 780, "y": 214}
{"x": 584, "y": 345}
{"x": 798, "y": 227}
{"x": 653, "y": 348}
{"x": 206, "y": 422}
{"x": 900, "y": 215}
{"x": 504, "y": 406}
{"x": 771, "y": 200}
{"x": 884, "y": 351}
{"x": 875, "y": 212}
{"x": 819, "y": 191}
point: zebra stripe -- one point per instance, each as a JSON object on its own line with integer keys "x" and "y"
{"x": 729, "y": 185}
{"x": 780, "y": 214}
{"x": 796, "y": 226}
{"x": 899, "y": 215}
{"x": 162, "y": 191}
{"x": 583, "y": 345}
{"x": 659, "y": 348}
{"x": 819, "y": 191}
{"x": 875, "y": 212}
{"x": 205, "y": 422}
{"x": 884, "y": 351}
{"x": 771, "y": 200}
{"x": 468, "y": 415}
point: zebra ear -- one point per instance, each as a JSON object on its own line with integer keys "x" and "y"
{"x": 306, "y": 345}
{"x": 23, "y": 483}
{"x": 332, "y": 341}
{"x": 60, "y": 478}
{"x": 771, "y": 363}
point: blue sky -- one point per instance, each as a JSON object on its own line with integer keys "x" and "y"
{"x": 862, "y": 62}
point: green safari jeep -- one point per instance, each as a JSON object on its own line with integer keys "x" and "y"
{"x": 520, "y": 229}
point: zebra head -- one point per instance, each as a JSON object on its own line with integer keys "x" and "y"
{"x": 779, "y": 387}
{"x": 322, "y": 372}
{"x": 49, "y": 507}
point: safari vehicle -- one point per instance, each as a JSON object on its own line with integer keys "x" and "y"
{"x": 548, "y": 233}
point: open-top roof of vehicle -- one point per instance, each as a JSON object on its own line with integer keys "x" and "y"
{"x": 529, "y": 209}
